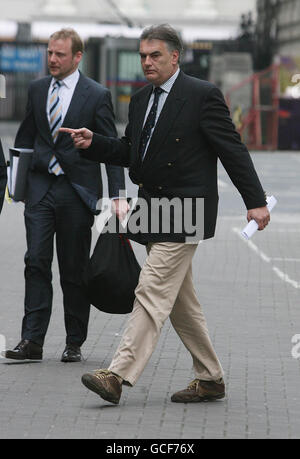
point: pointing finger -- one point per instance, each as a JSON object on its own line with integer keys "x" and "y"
{"x": 68, "y": 130}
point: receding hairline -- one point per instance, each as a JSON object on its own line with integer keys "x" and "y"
{"x": 77, "y": 44}
{"x": 165, "y": 33}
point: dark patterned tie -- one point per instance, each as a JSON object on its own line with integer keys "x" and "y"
{"x": 55, "y": 124}
{"x": 150, "y": 122}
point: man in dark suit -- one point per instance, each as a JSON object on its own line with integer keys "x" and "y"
{"x": 3, "y": 176}
{"x": 178, "y": 127}
{"x": 62, "y": 194}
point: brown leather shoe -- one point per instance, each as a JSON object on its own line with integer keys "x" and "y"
{"x": 200, "y": 391}
{"x": 105, "y": 384}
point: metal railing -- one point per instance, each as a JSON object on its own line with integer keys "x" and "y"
{"x": 258, "y": 122}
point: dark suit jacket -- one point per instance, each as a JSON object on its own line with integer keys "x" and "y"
{"x": 193, "y": 130}
{"x": 3, "y": 176}
{"x": 91, "y": 107}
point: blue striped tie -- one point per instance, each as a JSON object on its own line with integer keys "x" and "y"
{"x": 55, "y": 111}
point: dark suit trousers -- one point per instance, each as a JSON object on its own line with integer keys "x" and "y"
{"x": 3, "y": 180}
{"x": 62, "y": 213}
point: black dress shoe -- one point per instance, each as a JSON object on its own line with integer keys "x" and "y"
{"x": 71, "y": 354}
{"x": 25, "y": 350}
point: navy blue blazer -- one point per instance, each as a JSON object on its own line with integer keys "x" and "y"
{"x": 194, "y": 130}
{"x": 90, "y": 106}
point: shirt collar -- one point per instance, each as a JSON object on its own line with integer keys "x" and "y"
{"x": 167, "y": 85}
{"x": 70, "y": 81}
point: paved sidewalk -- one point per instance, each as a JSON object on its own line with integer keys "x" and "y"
{"x": 250, "y": 294}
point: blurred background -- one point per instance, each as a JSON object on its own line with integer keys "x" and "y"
{"x": 249, "y": 48}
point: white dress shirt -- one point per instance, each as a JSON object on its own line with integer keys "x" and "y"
{"x": 65, "y": 92}
{"x": 167, "y": 86}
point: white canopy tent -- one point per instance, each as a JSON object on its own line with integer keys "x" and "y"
{"x": 203, "y": 19}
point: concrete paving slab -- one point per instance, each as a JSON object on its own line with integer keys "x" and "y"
{"x": 250, "y": 294}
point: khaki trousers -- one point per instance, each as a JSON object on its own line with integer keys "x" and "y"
{"x": 165, "y": 290}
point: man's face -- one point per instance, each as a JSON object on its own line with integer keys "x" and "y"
{"x": 158, "y": 63}
{"x": 61, "y": 61}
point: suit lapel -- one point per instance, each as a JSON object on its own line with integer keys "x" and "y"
{"x": 78, "y": 100}
{"x": 168, "y": 115}
{"x": 43, "y": 98}
{"x": 139, "y": 116}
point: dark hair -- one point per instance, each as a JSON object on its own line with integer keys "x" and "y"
{"x": 165, "y": 33}
{"x": 63, "y": 34}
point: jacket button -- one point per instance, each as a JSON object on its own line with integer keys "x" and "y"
{"x": 141, "y": 185}
{"x": 169, "y": 164}
{"x": 177, "y": 140}
{"x": 159, "y": 187}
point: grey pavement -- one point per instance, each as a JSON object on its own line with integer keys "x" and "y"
{"x": 250, "y": 295}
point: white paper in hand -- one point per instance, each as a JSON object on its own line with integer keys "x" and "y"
{"x": 252, "y": 226}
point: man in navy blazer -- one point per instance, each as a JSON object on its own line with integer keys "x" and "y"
{"x": 3, "y": 177}
{"x": 178, "y": 127}
{"x": 62, "y": 193}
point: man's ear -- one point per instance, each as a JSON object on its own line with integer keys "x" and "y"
{"x": 175, "y": 56}
{"x": 78, "y": 57}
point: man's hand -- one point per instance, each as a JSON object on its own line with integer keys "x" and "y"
{"x": 120, "y": 207}
{"x": 261, "y": 215}
{"x": 82, "y": 137}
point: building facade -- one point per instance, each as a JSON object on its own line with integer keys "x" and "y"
{"x": 278, "y": 27}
